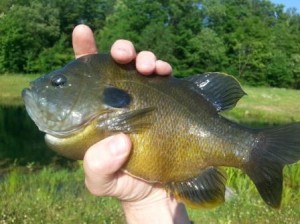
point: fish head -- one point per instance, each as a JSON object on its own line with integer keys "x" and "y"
{"x": 65, "y": 100}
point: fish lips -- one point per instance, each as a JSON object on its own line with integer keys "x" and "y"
{"x": 53, "y": 123}
{"x": 33, "y": 109}
{"x": 38, "y": 115}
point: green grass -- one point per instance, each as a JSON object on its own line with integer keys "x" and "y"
{"x": 11, "y": 87}
{"x": 265, "y": 105}
{"x": 53, "y": 196}
{"x": 58, "y": 196}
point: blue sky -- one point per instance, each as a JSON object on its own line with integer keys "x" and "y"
{"x": 289, "y": 3}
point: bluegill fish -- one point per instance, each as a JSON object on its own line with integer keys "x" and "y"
{"x": 179, "y": 138}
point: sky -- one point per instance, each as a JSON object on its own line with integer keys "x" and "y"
{"x": 288, "y": 3}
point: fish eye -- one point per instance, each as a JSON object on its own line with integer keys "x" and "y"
{"x": 58, "y": 80}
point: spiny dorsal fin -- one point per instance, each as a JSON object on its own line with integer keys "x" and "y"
{"x": 205, "y": 191}
{"x": 222, "y": 90}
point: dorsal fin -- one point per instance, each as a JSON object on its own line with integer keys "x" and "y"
{"x": 222, "y": 90}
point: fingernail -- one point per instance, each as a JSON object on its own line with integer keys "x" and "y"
{"x": 148, "y": 65}
{"x": 117, "y": 146}
{"x": 122, "y": 50}
{"x": 146, "y": 68}
{"x": 123, "y": 55}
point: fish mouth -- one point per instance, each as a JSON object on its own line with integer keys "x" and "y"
{"x": 47, "y": 122}
{"x": 34, "y": 111}
{"x": 31, "y": 106}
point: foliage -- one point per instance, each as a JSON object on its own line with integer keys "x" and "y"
{"x": 35, "y": 37}
{"x": 25, "y": 30}
{"x": 254, "y": 40}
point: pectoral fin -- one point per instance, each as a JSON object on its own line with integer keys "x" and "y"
{"x": 204, "y": 191}
{"x": 128, "y": 122}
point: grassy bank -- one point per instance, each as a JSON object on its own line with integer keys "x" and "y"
{"x": 53, "y": 196}
{"x": 59, "y": 196}
{"x": 11, "y": 87}
{"x": 267, "y": 106}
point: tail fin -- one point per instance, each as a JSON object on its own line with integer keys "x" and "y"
{"x": 274, "y": 148}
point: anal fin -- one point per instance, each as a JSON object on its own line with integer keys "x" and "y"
{"x": 204, "y": 191}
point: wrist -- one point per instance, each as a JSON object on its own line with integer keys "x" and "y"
{"x": 158, "y": 207}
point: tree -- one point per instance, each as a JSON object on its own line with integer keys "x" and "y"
{"x": 25, "y": 31}
{"x": 129, "y": 19}
{"x": 254, "y": 33}
{"x": 185, "y": 24}
{"x": 31, "y": 33}
{"x": 73, "y": 12}
{"x": 206, "y": 52}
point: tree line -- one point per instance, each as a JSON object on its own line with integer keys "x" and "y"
{"x": 257, "y": 41}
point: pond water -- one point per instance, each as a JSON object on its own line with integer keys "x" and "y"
{"x": 20, "y": 139}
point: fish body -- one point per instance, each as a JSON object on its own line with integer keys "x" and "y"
{"x": 179, "y": 138}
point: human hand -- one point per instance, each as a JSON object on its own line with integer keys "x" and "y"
{"x": 142, "y": 202}
{"x": 122, "y": 51}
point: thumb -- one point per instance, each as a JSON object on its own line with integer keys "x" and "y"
{"x": 102, "y": 161}
{"x": 83, "y": 41}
